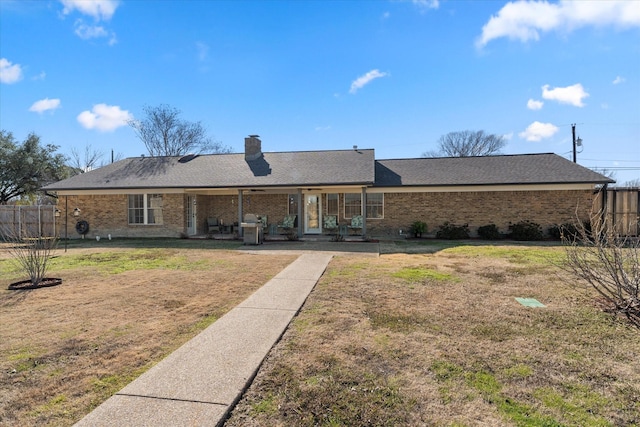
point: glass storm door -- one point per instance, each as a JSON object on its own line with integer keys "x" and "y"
{"x": 191, "y": 216}
{"x": 312, "y": 214}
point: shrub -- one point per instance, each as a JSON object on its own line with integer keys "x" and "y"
{"x": 453, "y": 232}
{"x": 526, "y": 230}
{"x": 418, "y": 228}
{"x": 489, "y": 232}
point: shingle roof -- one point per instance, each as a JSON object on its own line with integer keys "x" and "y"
{"x": 302, "y": 168}
{"x": 325, "y": 168}
{"x": 545, "y": 168}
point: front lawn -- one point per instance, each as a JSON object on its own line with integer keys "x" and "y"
{"x": 439, "y": 339}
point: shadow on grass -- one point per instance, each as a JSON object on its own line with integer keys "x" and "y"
{"x": 430, "y": 246}
{"x": 168, "y": 243}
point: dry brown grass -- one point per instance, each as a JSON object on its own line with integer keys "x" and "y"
{"x": 65, "y": 349}
{"x": 438, "y": 339}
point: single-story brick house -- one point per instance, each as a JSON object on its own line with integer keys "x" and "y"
{"x": 174, "y": 196}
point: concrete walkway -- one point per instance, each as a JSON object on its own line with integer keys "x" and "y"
{"x": 200, "y": 382}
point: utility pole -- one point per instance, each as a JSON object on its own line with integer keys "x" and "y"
{"x": 573, "y": 131}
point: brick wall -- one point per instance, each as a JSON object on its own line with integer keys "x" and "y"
{"x": 480, "y": 208}
{"x": 108, "y": 214}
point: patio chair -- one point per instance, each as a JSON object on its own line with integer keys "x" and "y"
{"x": 288, "y": 222}
{"x": 212, "y": 225}
{"x": 356, "y": 223}
{"x": 330, "y": 223}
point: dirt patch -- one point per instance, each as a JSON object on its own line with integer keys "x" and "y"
{"x": 67, "y": 348}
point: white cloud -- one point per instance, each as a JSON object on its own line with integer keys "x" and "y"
{"x": 537, "y": 131}
{"x": 572, "y": 95}
{"x": 104, "y": 117}
{"x": 533, "y": 104}
{"x": 508, "y": 136}
{"x": 86, "y": 32}
{"x": 9, "y": 73}
{"x": 426, "y": 4}
{"x": 100, "y": 10}
{"x": 45, "y": 105}
{"x": 40, "y": 76}
{"x": 618, "y": 80}
{"x": 364, "y": 80}
{"x": 525, "y": 20}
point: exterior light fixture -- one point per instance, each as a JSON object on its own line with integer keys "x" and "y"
{"x": 76, "y": 212}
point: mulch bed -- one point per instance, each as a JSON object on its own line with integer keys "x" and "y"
{"x": 26, "y": 284}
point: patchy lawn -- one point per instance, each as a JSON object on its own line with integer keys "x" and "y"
{"x": 123, "y": 306}
{"x": 439, "y": 339}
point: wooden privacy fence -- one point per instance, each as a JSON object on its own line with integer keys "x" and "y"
{"x": 622, "y": 208}
{"x": 28, "y": 221}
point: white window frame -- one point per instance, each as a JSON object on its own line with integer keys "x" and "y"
{"x": 369, "y": 204}
{"x": 146, "y": 209}
{"x": 379, "y": 204}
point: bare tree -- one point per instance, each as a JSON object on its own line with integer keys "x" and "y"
{"x": 32, "y": 251}
{"x": 633, "y": 183}
{"x": 607, "y": 260}
{"x": 467, "y": 143}
{"x": 164, "y": 133}
{"x": 86, "y": 161}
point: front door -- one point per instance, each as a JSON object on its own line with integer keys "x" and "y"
{"x": 312, "y": 214}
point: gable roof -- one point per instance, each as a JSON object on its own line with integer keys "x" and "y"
{"x": 328, "y": 168}
{"x": 300, "y": 168}
{"x": 547, "y": 168}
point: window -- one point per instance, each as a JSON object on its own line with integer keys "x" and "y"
{"x": 375, "y": 205}
{"x": 145, "y": 209}
{"x": 353, "y": 205}
{"x": 332, "y": 204}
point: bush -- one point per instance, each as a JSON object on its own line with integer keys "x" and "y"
{"x": 489, "y": 232}
{"x": 418, "y": 228}
{"x": 526, "y": 230}
{"x": 453, "y": 232}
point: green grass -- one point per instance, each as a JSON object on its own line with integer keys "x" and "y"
{"x": 540, "y": 256}
{"x": 416, "y": 274}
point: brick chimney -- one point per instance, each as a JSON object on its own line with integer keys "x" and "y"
{"x": 252, "y": 148}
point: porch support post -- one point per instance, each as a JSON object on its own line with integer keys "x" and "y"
{"x": 240, "y": 213}
{"x": 300, "y": 219}
{"x": 364, "y": 211}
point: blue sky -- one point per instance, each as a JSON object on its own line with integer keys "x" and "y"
{"x": 316, "y": 75}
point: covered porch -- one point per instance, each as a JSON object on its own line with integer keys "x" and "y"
{"x": 292, "y": 213}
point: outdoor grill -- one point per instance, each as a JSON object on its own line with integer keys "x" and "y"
{"x": 252, "y": 229}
